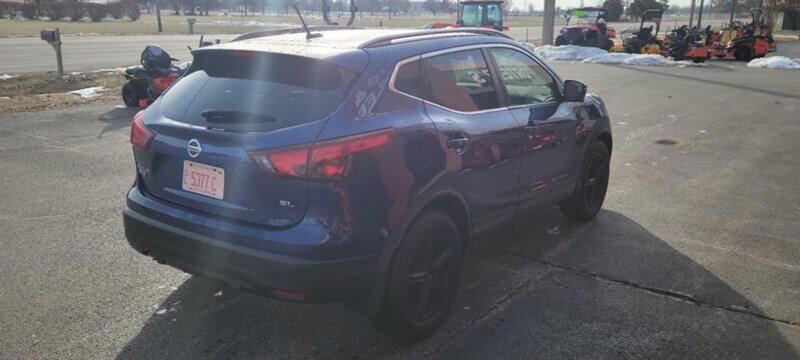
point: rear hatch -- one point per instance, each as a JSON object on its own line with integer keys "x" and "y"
{"x": 231, "y": 104}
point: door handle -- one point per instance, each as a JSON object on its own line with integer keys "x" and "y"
{"x": 530, "y": 129}
{"x": 457, "y": 144}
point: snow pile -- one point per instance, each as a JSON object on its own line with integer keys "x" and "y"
{"x": 638, "y": 60}
{"x": 4, "y": 98}
{"x": 6, "y": 77}
{"x": 567, "y": 52}
{"x": 114, "y": 70}
{"x": 88, "y": 93}
{"x": 775, "y": 62}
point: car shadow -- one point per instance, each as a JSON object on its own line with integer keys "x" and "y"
{"x": 117, "y": 118}
{"x": 204, "y": 319}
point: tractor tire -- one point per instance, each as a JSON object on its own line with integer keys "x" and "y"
{"x": 743, "y": 53}
{"x": 609, "y": 44}
{"x": 130, "y": 96}
{"x": 561, "y": 40}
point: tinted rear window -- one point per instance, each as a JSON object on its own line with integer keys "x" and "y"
{"x": 289, "y": 89}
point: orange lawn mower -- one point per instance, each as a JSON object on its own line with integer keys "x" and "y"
{"x": 685, "y": 43}
{"x": 740, "y": 41}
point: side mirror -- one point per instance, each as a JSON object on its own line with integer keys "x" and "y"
{"x": 574, "y": 91}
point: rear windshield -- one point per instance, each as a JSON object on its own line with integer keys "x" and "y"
{"x": 253, "y": 91}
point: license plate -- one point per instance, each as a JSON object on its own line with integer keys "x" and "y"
{"x": 203, "y": 179}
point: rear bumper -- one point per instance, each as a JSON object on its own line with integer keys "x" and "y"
{"x": 250, "y": 269}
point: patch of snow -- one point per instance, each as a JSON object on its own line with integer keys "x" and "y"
{"x": 161, "y": 311}
{"x": 4, "y": 98}
{"x": 567, "y": 52}
{"x": 117, "y": 69}
{"x": 638, "y": 60}
{"x": 775, "y": 62}
{"x": 88, "y": 93}
{"x": 105, "y": 20}
{"x": 6, "y": 77}
{"x": 702, "y": 131}
{"x": 233, "y": 23}
{"x": 622, "y": 123}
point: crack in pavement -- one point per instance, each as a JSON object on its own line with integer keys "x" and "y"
{"x": 493, "y": 309}
{"x": 665, "y": 293}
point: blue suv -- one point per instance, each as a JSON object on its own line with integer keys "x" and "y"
{"x": 356, "y": 166}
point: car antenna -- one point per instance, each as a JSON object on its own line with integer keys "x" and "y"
{"x": 309, "y": 35}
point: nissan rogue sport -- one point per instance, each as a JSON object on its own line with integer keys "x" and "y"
{"x": 357, "y": 166}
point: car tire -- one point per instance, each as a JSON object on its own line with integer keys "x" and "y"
{"x": 130, "y": 96}
{"x": 561, "y": 40}
{"x": 423, "y": 279}
{"x": 590, "y": 191}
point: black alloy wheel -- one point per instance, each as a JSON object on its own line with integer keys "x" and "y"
{"x": 427, "y": 283}
{"x": 423, "y": 279}
{"x": 596, "y": 182}
{"x": 590, "y": 190}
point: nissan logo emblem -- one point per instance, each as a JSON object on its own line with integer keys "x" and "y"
{"x": 194, "y": 148}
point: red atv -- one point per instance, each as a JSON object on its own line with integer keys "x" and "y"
{"x": 147, "y": 82}
{"x": 587, "y": 28}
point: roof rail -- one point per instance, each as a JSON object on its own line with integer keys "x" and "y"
{"x": 386, "y": 40}
{"x": 283, "y": 31}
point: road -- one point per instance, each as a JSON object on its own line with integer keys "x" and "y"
{"x": 85, "y": 53}
{"x": 696, "y": 253}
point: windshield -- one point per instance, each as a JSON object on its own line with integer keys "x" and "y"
{"x": 235, "y": 86}
{"x": 581, "y": 16}
{"x": 472, "y": 15}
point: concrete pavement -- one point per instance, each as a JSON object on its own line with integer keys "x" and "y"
{"x": 695, "y": 255}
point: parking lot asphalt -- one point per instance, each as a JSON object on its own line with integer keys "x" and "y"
{"x": 696, "y": 253}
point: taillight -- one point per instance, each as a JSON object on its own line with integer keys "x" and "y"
{"x": 324, "y": 160}
{"x": 141, "y": 136}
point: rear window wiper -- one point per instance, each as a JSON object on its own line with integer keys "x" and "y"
{"x": 233, "y": 116}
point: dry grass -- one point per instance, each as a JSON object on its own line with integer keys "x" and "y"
{"x": 177, "y": 24}
{"x": 46, "y": 90}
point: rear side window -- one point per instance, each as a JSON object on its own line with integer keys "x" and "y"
{"x": 459, "y": 81}
{"x": 253, "y": 91}
{"x": 408, "y": 79}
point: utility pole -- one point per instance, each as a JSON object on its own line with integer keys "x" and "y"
{"x": 700, "y": 14}
{"x": 158, "y": 15}
{"x": 691, "y": 13}
{"x": 549, "y": 22}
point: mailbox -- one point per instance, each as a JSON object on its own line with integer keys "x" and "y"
{"x": 53, "y": 37}
{"x": 50, "y": 35}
